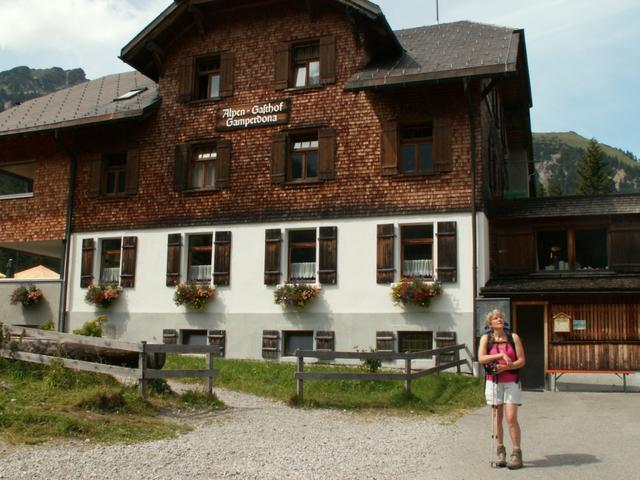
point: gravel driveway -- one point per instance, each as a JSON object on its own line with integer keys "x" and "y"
{"x": 261, "y": 439}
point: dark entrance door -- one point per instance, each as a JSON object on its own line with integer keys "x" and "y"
{"x": 530, "y": 326}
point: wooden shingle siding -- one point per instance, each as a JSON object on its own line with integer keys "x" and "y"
{"x": 272, "y": 256}
{"x": 447, "y": 252}
{"x": 385, "y": 269}
{"x": 328, "y": 253}
{"x": 86, "y": 269}
{"x": 174, "y": 252}
{"x": 270, "y": 344}
{"x": 128, "y": 268}
{"x": 222, "y": 258}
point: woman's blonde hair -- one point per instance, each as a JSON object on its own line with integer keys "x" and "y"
{"x": 491, "y": 314}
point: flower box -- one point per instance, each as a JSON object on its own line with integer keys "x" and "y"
{"x": 102, "y": 296}
{"x": 193, "y": 295}
{"x": 27, "y": 296}
{"x": 295, "y": 294}
{"x": 414, "y": 291}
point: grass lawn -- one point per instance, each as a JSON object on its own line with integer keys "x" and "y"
{"x": 444, "y": 394}
{"x": 40, "y": 404}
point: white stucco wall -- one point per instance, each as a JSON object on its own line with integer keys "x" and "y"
{"x": 355, "y": 308}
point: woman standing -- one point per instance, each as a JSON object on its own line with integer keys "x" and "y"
{"x": 503, "y": 354}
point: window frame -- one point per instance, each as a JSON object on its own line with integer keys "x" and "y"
{"x": 187, "y": 333}
{"x": 194, "y": 148}
{"x": 416, "y": 142}
{"x": 119, "y": 171}
{"x": 103, "y": 260}
{"x": 308, "y": 245}
{"x": 570, "y": 235}
{"x": 407, "y": 333}
{"x": 287, "y": 334}
{"x": 189, "y": 255}
{"x": 208, "y": 73}
{"x": 305, "y": 62}
{"x": 28, "y": 181}
{"x": 416, "y": 241}
{"x": 303, "y": 136}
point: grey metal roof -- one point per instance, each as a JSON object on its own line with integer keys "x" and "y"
{"x": 564, "y": 206}
{"x": 563, "y": 284}
{"x": 86, "y": 103}
{"x": 449, "y": 50}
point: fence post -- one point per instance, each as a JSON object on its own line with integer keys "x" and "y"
{"x": 299, "y": 381}
{"x": 457, "y": 357}
{"x": 142, "y": 365}
{"x": 210, "y": 378}
{"x": 407, "y": 372}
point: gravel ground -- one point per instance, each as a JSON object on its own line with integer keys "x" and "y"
{"x": 254, "y": 438}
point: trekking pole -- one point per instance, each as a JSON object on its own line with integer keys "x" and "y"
{"x": 494, "y": 433}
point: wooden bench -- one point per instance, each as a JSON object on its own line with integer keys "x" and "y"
{"x": 619, "y": 373}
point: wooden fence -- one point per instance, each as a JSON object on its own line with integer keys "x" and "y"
{"x": 408, "y": 375}
{"x": 10, "y": 348}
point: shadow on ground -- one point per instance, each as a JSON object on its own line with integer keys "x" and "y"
{"x": 563, "y": 459}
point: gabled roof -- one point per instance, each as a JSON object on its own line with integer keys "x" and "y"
{"x": 145, "y": 49}
{"x": 86, "y": 103}
{"x": 445, "y": 51}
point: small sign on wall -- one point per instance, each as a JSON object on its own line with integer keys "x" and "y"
{"x": 579, "y": 324}
{"x": 253, "y": 115}
{"x": 561, "y": 323}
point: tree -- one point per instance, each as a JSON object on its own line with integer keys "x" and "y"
{"x": 593, "y": 172}
{"x": 554, "y": 188}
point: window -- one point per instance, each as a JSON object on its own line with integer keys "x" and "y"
{"x": 417, "y": 250}
{"x": 208, "y": 77}
{"x": 297, "y": 339}
{"x": 203, "y": 167}
{"x": 200, "y": 249}
{"x": 415, "y": 341}
{"x": 110, "y": 261}
{"x": 303, "y": 158}
{"x": 306, "y": 65}
{"x": 16, "y": 180}
{"x": 302, "y": 255}
{"x": 130, "y": 94}
{"x": 193, "y": 337}
{"x": 416, "y": 147}
{"x": 572, "y": 249}
{"x": 115, "y": 174}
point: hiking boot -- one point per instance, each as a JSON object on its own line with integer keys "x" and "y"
{"x": 501, "y": 460}
{"x": 515, "y": 461}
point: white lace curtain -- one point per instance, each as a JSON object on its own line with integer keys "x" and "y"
{"x": 200, "y": 273}
{"x": 418, "y": 268}
{"x": 110, "y": 275}
{"x": 303, "y": 271}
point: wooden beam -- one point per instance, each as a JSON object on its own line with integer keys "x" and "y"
{"x": 157, "y": 53}
{"x": 77, "y": 339}
{"x": 198, "y": 18}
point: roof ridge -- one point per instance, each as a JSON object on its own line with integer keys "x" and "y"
{"x": 447, "y": 24}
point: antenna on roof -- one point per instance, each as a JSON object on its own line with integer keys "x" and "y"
{"x": 437, "y": 12}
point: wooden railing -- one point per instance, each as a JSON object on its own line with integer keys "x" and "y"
{"x": 13, "y": 335}
{"x": 407, "y": 375}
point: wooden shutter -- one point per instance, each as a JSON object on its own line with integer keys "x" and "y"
{"x": 327, "y": 152}
{"x": 181, "y": 167}
{"x": 447, "y": 252}
{"x": 384, "y": 341}
{"x": 223, "y": 164}
{"x": 186, "y": 81}
{"x": 222, "y": 258}
{"x": 270, "y": 343}
{"x": 219, "y": 339}
{"x": 328, "y": 245}
{"x": 96, "y": 166}
{"x": 169, "y": 336}
{"x": 389, "y": 148}
{"x": 279, "y": 158}
{"x": 128, "y": 267}
{"x": 272, "y": 248}
{"x": 86, "y": 270}
{"x": 625, "y": 249}
{"x": 227, "y": 65}
{"x": 282, "y": 66}
{"x": 325, "y": 341}
{"x": 446, "y": 339}
{"x": 131, "y": 179}
{"x": 328, "y": 59}
{"x": 513, "y": 251}
{"x": 174, "y": 252}
{"x": 442, "y": 160}
{"x": 385, "y": 258}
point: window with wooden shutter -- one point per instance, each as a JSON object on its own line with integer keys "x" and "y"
{"x": 328, "y": 59}
{"x": 389, "y": 148}
{"x": 278, "y": 158}
{"x": 86, "y": 269}
{"x": 223, "y": 167}
{"x": 186, "y": 81}
{"x": 447, "y": 252}
{"x": 327, "y": 152}
{"x": 131, "y": 183}
{"x": 282, "y": 66}
{"x": 270, "y": 343}
{"x": 219, "y": 339}
{"x": 200, "y": 257}
{"x": 442, "y": 159}
{"x": 174, "y": 252}
{"x": 416, "y": 251}
{"x": 227, "y": 65}
{"x": 222, "y": 258}
{"x": 385, "y": 341}
{"x": 181, "y": 167}
{"x": 302, "y": 255}
{"x": 272, "y": 260}
{"x": 325, "y": 341}
{"x": 328, "y": 246}
{"x": 385, "y": 254}
{"x": 110, "y": 260}
{"x": 128, "y": 268}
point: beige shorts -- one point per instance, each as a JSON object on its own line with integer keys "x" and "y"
{"x": 499, "y": 393}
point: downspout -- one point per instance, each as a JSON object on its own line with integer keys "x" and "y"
{"x": 66, "y": 242}
{"x": 474, "y": 226}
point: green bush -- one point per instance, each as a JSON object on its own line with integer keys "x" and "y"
{"x": 92, "y": 328}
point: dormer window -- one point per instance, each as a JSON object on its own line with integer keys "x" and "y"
{"x": 130, "y": 94}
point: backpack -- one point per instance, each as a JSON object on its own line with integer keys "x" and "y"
{"x": 488, "y": 368}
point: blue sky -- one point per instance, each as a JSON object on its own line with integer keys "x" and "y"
{"x": 584, "y": 55}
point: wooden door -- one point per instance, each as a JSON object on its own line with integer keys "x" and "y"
{"x": 529, "y": 324}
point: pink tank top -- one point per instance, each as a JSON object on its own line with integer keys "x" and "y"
{"x": 508, "y": 376}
